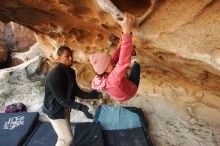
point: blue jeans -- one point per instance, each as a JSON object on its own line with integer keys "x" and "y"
{"x": 135, "y": 74}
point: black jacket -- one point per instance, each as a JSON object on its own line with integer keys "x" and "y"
{"x": 60, "y": 91}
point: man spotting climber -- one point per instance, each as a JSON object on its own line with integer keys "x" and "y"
{"x": 60, "y": 91}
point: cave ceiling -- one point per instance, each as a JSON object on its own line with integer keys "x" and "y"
{"x": 178, "y": 39}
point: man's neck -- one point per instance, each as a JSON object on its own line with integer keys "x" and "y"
{"x": 64, "y": 64}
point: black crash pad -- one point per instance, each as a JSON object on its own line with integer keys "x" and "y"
{"x": 16, "y": 127}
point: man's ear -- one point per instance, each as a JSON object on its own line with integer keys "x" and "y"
{"x": 57, "y": 58}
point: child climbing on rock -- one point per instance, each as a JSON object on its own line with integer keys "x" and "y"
{"x": 111, "y": 69}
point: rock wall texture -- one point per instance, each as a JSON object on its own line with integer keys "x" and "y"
{"x": 177, "y": 43}
{"x": 3, "y": 53}
{"x": 14, "y": 38}
{"x": 179, "y": 38}
{"x": 23, "y": 83}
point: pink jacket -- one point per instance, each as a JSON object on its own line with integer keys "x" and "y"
{"x": 115, "y": 83}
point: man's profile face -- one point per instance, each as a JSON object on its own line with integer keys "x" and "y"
{"x": 66, "y": 58}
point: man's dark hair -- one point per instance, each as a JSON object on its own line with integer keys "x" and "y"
{"x": 61, "y": 50}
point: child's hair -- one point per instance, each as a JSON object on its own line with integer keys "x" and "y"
{"x": 100, "y": 75}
